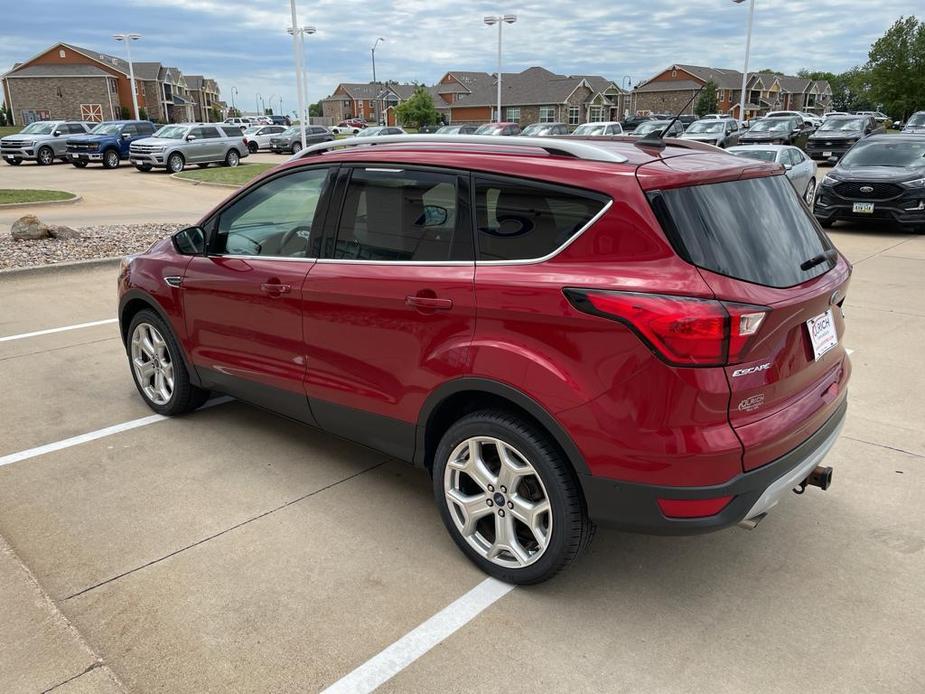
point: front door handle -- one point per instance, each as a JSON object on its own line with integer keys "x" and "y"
{"x": 275, "y": 288}
{"x": 430, "y": 302}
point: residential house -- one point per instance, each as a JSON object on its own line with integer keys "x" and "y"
{"x": 205, "y": 95}
{"x": 367, "y": 101}
{"x": 67, "y": 81}
{"x": 673, "y": 88}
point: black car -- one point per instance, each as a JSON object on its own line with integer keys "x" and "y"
{"x": 882, "y": 177}
{"x": 784, "y": 130}
{"x": 280, "y": 120}
{"x": 687, "y": 119}
{"x": 837, "y": 135}
{"x": 658, "y": 126}
{"x": 629, "y": 124}
{"x": 916, "y": 124}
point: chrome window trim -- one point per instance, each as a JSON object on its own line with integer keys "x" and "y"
{"x": 430, "y": 263}
{"x": 287, "y": 258}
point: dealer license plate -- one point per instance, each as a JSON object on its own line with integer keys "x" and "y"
{"x": 822, "y": 333}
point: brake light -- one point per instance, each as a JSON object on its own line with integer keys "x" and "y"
{"x": 681, "y": 330}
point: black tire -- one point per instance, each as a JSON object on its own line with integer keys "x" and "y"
{"x": 826, "y": 223}
{"x": 252, "y": 147}
{"x": 15, "y": 161}
{"x": 232, "y": 159}
{"x": 571, "y": 528}
{"x": 110, "y": 159}
{"x": 176, "y": 163}
{"x": 810, "y": 192}
{"x": 45, "y": 156}
{"x": 78, "y": 164}
{"x": 296, "y": 147}
{"x": 143, "y": 167}
{"x": 185, "y": 397}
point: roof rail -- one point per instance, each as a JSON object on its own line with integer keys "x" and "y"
{"x": 580, "y": 149}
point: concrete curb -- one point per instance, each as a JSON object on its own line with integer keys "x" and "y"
{"x": 69, "y": 266}
{"x": 68, "y": 201}
{"x": 191, "y": 181}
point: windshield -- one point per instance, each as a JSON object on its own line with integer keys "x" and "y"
{"x": 39, "y": 128}
{"x": 489, "y": 129}
{"x": 107, "y": 129}
{"x": 770, "y": 125}
{"x": 759, "y": 154}
{"x": 253, "y": 129}
{"x": 593, "y": 129}
{"x": 703, "y": 126}
{"x": 449, "y": 130}
{"x": 843, "y": 124}
{"x": 370, "y": 132}
{"x": 917, "y": 120}
{"x": 171, "y": 132}
{"x": 725, "y": 227}
{"x": 537, "y": 129}
{"x": 650, "y": 126}
{"x": 881, "y": 153}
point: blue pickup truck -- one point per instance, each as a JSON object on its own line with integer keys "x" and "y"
{"x": 108, "y": 143}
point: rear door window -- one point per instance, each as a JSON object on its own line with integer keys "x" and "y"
{"x": 754, "y": 230}
{"x": 524, "y": 220}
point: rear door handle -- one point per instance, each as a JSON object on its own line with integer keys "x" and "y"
{"x": 275, "y": 289}
{"x": 431, "y": 302}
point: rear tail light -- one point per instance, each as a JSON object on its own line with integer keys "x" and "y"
{"x": 681, "y": 330}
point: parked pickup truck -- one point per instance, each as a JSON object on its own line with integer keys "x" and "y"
{"x": 174, "y": 146}
{"x": 108, "y": 143}
{"x": 41, "y": 141}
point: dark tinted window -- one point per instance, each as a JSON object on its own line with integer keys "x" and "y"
{"x": 210, "y": 132}
{"x": 519, "y": 220}
{"x": 276, "y": 219}
{"x": 232, "y": 131}
{"x": 754, "y": 230}
{"x": 402, "y": 215}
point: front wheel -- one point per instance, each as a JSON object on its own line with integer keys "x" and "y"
{"x": 79, "y": 164}
{"x": 15, "y": 161}
{"x": 509, "y": 498}
{"x": 252, "y": 147}
{"x": 826, "y": 223}
{"x": 45, "y": 156}
{"x": 175, "y": 163}
{"x": 296, "y": 147}
{"x": 143, "y": 167}
{"x": 810, "y": 192}
{"x": 232, "y": 158}
{"x": 111, "y": 159}
{"x": 158, "y": 369}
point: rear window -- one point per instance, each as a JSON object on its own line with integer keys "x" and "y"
{"x": 754, "y": 230}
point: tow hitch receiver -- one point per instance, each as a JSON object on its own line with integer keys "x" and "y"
{"x": 820, "y": 477}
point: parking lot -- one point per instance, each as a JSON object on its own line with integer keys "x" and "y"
{"x": 233, "y": 550}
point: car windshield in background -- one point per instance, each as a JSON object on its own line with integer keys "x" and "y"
{"x": 291, "y": 130}
{"x": 918, "y": 120}
{"x": 38, "y": 128}
{"x": 369, "y": 132}
{"x": 756, "y": 230}
{"x": 764, "y": 126}
{"x": 537, "y": 129}
{"x": 107, "y": 129}
{"x": 843, "y": 124}
{"x": 251, "y": 130}
{"x": 759, "y": 154}
{"x": 171, "y": 132}
{"x": 489, "y": 129}
{"x": 449, "y": 130}
{"x": 705, "y": 127}
{"x": 650, "y": 126}
{"x": 880, "y": 153}
{"x": 594, "y": 129}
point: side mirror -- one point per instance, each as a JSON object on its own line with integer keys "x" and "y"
{"x": 126, "y": 136}
{"x": 788, "y": 166}
{"x": 190, "y": 138}
{"x": 190, "y": 241}
{"x": 57, "y": 133}
{"x": 434, "y": 216}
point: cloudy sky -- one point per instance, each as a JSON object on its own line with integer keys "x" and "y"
{"x": 243, "y": 43}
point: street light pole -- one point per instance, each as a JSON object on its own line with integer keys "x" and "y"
{"x": 500, "y": 20}
{"x": 748, "y": 48}
{"x": 373, "y": 52}
{"x": 128, "y": 38}
{"x": 298, "y": 36}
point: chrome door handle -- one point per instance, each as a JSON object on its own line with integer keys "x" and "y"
{"x": 430, "y": 302}
{"x": 275, "y": 289}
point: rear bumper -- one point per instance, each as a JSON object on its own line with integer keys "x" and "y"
{"x": 635, "y": 507}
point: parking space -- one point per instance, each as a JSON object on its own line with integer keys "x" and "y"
{"x": 233, "y": 550}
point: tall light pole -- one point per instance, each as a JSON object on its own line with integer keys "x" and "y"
{"x": 234, "y": 90}
{"x": 373, "y": 53}
{"x": 748, "y": 49}
{"x": 128, "y": 38}
{"x": 627, "y": 85}
{"x": 257, "y": 99}
{"x": 500, "y": 20}
{"x": 298, "y": 37}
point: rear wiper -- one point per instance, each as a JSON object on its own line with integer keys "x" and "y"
{"x": 816, "y": 260}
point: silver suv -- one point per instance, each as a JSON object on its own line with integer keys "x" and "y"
{"x": 290, "y": 140}
{"x": 174, "y": 146}
{"x": 42, "y": 141}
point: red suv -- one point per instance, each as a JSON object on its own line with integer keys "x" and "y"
{"x": 563, "y": 332}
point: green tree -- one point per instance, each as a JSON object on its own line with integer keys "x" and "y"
{"x": 896, "y": 65}
{"x": 706, "y": 102}
{"x": 143, "y": 113}
{"x": 125, "y": 113}
{"x": 417, "y": 110}
{"x": 315, "y": 110}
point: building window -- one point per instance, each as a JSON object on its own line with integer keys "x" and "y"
{"x": 62, "y": 54}
{"x": 92, "y": 113}
{"x": 513, "y": 114}
{"x": 574, "y": 115}
{"x": 597, "y": 114}
{"x": 547, "y": 114}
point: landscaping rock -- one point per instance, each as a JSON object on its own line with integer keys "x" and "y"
{"x": 29, "y": 228}
{"x": 63, "y": 233}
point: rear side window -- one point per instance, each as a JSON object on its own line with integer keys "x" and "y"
{"x": 754, "y": 230}
{"x": 402, "y": 215}
{"x": 231, "y": 131}
{"x": 521, "y": 220}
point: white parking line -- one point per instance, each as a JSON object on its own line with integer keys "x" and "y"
{"x": 23, "y": 336}
{"x": 94, "y": 435}
{"x": 388, "y": 663}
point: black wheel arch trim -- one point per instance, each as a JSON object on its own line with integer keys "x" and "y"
{"x": 139, "y": 295}
{"x": 497, "y": 388}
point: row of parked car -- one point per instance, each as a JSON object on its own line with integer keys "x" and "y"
{"x": 145, "y": 145}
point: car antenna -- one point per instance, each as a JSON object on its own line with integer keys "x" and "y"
{"x": 655, "y": 139}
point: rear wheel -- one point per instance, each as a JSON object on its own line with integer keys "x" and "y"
{"x": 296, "y": 147}
{"x": 232, "y": 158}
{"x": 110, "y": 159}
{"x": 252, "y": 147}
{"x": 508, "y": 497}
{"x": 175, "y": 163}
{"x": 158, "y": 369}
{"x": 45, "y": 156}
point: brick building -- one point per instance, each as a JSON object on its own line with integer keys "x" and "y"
{"x": 673, "y": 87}
{"x": 70, "y": 82}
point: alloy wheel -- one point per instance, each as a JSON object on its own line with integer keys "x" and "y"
{"x": 112, "y": 159}
{"x": 175, "y": 163}
{"x": 46, "y": 156}
{"x": 810, "y": 192}
{"x": 152, "y": 363}
{"x": 232, "y": 159}
{"x": 498, "y": 502}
